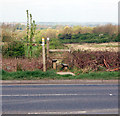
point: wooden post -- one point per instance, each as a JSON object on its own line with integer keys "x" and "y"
{"x": 54, "y": 64}
{"x": 43, "y": 51}
{"x": 48, "y": 48}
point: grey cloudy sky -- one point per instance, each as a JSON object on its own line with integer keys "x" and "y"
{"x": 59, "y": 10}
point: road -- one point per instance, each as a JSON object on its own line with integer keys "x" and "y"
{"x": 60, "y": 99}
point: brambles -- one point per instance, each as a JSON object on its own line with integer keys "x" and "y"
{"x": 18, "y": 64}
{"x": 93, "y": 60}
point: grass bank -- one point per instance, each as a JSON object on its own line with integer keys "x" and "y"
{"x": 36, "y": 75}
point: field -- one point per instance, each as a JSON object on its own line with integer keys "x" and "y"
{"x": 112, "y": 46}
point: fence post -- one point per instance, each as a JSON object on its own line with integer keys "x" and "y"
{"x": 43, "y": 52}
{"x": 48, "y": 48}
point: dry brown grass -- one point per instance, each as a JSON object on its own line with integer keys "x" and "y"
{"x": 113, "y": 46}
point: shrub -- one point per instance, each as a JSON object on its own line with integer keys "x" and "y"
{"x": 56, "y": 44}
{"x": 65, "y": 36}
{"x": 13, "y": 49}
{"x": 93, "y": 60}
{"x": 87, "y": 38}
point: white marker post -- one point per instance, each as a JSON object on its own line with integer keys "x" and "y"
{"x": 48, "y": 47}
{"x": 43, "y": 51}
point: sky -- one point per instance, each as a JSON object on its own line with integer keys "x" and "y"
{"x": 59, "y": 10}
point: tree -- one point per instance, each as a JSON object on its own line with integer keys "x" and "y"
{"x": 109, "y": 28}
{"x": 31, "y": 27}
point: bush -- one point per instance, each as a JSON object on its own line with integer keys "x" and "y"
{"x": 13, "y": 49}
{"x": 65, "y": 36}
{"x": 56, "y": 44}
{"x": 6, "y": 38}
{"x": 88, "y": 38}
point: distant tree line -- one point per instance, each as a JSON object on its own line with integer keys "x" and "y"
{"x": 99, "y": 34}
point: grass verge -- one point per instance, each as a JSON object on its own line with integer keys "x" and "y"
{"x": 36, "y": 75}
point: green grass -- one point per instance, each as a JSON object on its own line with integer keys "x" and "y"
{"x": 51, "y": 74}
{"x": 98, "y": 75}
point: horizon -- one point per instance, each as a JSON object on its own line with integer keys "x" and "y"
{"x": 64, "y": 22}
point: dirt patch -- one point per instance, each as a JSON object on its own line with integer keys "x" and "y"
{"x": 66, "y": 73}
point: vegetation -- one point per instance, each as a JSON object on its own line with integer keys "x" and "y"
{"x": 56, "y": 44}
{"x": 12, "y": 32}
{"x": 35, "y": 75}
{"x": 22, "y": 45}
{"x": 30, "y": 34}
{"x": 99, "y": 34}
{"x": 14, "y": 49}
{"x": 87, "y": 38}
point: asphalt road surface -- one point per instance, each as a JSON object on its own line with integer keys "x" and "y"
{"x": 60, "y": 99}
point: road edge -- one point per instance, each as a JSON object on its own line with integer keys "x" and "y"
{"x": 77, "y": 81}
